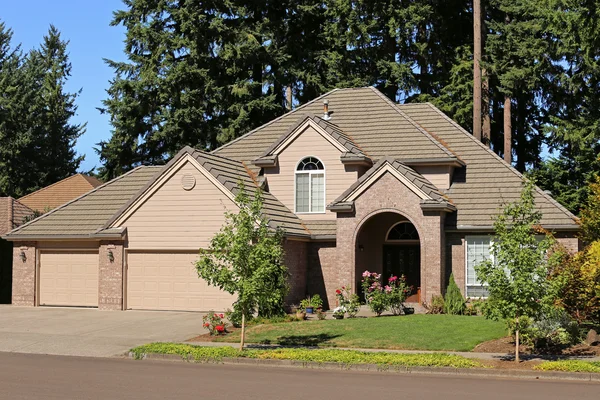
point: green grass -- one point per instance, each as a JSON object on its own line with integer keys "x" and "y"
{"x": 414, "y": 332}
{"x": 569, "y": 366}
{"x": 345, "y": 357}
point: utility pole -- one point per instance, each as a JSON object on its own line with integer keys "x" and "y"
{"x": 477, "y": 69}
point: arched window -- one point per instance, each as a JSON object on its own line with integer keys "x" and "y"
{"x": 310, "y": 186}
{"x": 402, "y": 231}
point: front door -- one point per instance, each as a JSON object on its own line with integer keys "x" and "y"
{"x": 404, "y": 260}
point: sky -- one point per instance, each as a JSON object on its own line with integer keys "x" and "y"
{"x": 86, "y": 24}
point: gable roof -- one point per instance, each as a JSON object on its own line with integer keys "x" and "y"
{"x": 479, "y": 189}
{"x": 60, "y": 192}
{"x": 228, "y": 173}
{"x": 12, "y": 214}
{"x": 430, "y": 195}
{"x": 375, "y": 124}
{"x": 85, "y": 216}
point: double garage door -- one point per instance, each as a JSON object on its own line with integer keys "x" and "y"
{"x": 155, "y": 281}
{"x": 169, "y": 281}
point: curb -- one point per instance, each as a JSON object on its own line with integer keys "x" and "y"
{"x": 474, "y": 372}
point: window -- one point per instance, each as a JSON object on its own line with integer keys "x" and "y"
{"x": 402, "y": 231}
{"x": 478, "y": 250}
{"x": 310, "y": 186}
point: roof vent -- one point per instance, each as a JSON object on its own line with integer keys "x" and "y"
{"x": 188, "y": 182}
{"x": 326, "y": 115}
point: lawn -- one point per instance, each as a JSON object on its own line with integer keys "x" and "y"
{"x": 414, "y": 332}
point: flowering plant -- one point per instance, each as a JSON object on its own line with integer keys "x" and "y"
{"x": 389, "y": 297}
{"x": 214, "y": 323}
{"x": 349, "y": 302}
{"x": 397, "y": 291}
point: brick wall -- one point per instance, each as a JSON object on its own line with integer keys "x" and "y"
{"x": 23, "y": 285}
{"x": 5, "y": 214}
{"x": 110, "y": 276}
{"x": 387, "y": 194}
{"x": 296, "y": 257}
{"x": 322, "y": 276}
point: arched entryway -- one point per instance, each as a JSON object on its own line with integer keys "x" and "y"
{"x": 389, "y": 244}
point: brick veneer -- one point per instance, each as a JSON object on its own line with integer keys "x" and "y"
{"x": 296, "y": 258}
{"x": 110, "y": 276}
{"x": 387, "y": 194}
{"x": 323, "y": 272}
{"x": 23, "y": 284}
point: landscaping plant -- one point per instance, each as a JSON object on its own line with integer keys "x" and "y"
{"x": 517, "y": 276}
{"x": 245, "y": 258}
{"x": 314, "y": 301}
{"x": 373, "y": 291}
{"x": 214, "y": 323}
{"x": 436, "y": 306}
{"x": 396, "y": 291}
{"x": 348, "y": 302}
{"x": 454, "y": 302}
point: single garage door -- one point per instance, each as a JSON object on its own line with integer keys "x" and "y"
{"x": 69, "y": 279}
{"x": 169, "y": 281}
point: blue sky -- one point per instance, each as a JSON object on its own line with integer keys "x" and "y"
{"x": 86, "y": 25}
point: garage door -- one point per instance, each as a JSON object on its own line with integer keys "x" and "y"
{"x": 168, "y": 281}
{"x": 69, "y": 279}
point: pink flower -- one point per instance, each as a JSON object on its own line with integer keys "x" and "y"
{"x": 388, "y": 289}
{"x": 220, "y": 315}
{"x": 393, "y": 278}
{"x": 366, "y": 274}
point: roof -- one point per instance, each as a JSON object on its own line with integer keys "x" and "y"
{"x": 60, "y": 192}
{"x": 321, "y": 229}
{"x": 86, "y": 215}
{"x": 430, "y": 193}
{"x": 479, "y": 189}
{"x": 12, "y": 214}
{"x": 374, "y": 124}
{"x": 93, "y": 214}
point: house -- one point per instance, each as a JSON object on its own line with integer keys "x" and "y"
{"x": 355, "y": 181}
{"x": 52, "y": 196}
{"x": 12, "y": 214}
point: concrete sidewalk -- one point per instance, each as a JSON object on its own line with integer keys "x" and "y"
{"x": 90, "y": 332}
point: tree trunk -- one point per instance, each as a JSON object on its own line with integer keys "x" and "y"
{"x": 507, "y": 130}
{"x": 243, "y": 335}
{"x": 288, "y": 97}
{"x": 487, "y": 121}
{"x": 477, "y": 69}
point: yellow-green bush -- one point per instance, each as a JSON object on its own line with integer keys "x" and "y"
{"x": 569, "y": 366}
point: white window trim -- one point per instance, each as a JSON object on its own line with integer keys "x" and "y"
{"x": 467, "y": 238}
{"x": 310, "y": 173}
{"x": 405, "y": 241}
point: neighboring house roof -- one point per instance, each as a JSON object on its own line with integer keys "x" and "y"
{"x": 478, "y": 189}
{"x": 376, "y": 125}
{"x": 87, "y": 214}
{"x": 429, "y": 194}
{"x": 12, "y": 214}
{"x": 60, "y": 192}
{"x": 95, "y": 213}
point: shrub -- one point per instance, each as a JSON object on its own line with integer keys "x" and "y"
{"x": 320, "y": 314}
{"x": 312, "y": 301}
{"x": 475, "y": 307}
{"x": 349, "y": 302}
{"x": 436, "y": 306}
{"x": 569, "y": 366}
{"x": 396, "y": 292}
{"x": 553, "y": 329}
{"x": 454, "y": 302}
{"x": 375, "y": 296}
{"x": 214, "y": 323}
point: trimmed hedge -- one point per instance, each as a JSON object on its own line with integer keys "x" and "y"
{"x": 346, "y": 357}
{"x": 570, "y": 366}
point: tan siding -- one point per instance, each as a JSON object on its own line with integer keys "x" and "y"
{"x": 310, "y": 143}
{"x": 439, "y": 175}
{"x": 174, "y": 218}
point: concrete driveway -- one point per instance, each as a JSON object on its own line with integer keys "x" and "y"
{"x": 90, "y": 332}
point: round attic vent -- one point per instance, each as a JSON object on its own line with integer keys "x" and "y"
{"x": 188, "y": 182}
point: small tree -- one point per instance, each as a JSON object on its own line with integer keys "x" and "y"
{"x": 454, "y": 302}
{"x": 245, "y": 258}
{"x": 590, "y": 215}
{"x": 517, "y": 276}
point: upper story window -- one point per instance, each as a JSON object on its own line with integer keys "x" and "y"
{"x": 310, "y": 186}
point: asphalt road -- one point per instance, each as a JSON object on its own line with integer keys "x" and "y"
{"x": 30, "y": 376}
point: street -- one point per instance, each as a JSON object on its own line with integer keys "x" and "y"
{"x": 30, "y": 376}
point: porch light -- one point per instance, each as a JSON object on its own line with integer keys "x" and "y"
{"x": 23, "y": 256}
{"x": 111, "y": 256}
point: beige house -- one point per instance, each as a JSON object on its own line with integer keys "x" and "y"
{"x": 363, "y": 184}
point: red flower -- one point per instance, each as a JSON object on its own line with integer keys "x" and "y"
{"x": 220, "y": 315}
{"x": 338, "y": 291}
{"x": 206, "y": 324}
{"x": 219, "y": 328}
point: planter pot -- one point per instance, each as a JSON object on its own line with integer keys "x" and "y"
{"x": 409, "y": 310}
{"x": 336, "y": 316}
{"x": 309, "y": 310}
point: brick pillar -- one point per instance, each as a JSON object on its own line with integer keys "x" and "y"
{"x": 296, "y": 258}
{"x": 110, "y": 276}
{"x": 23, "y": 281}
{"x": 433, "y": 255}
